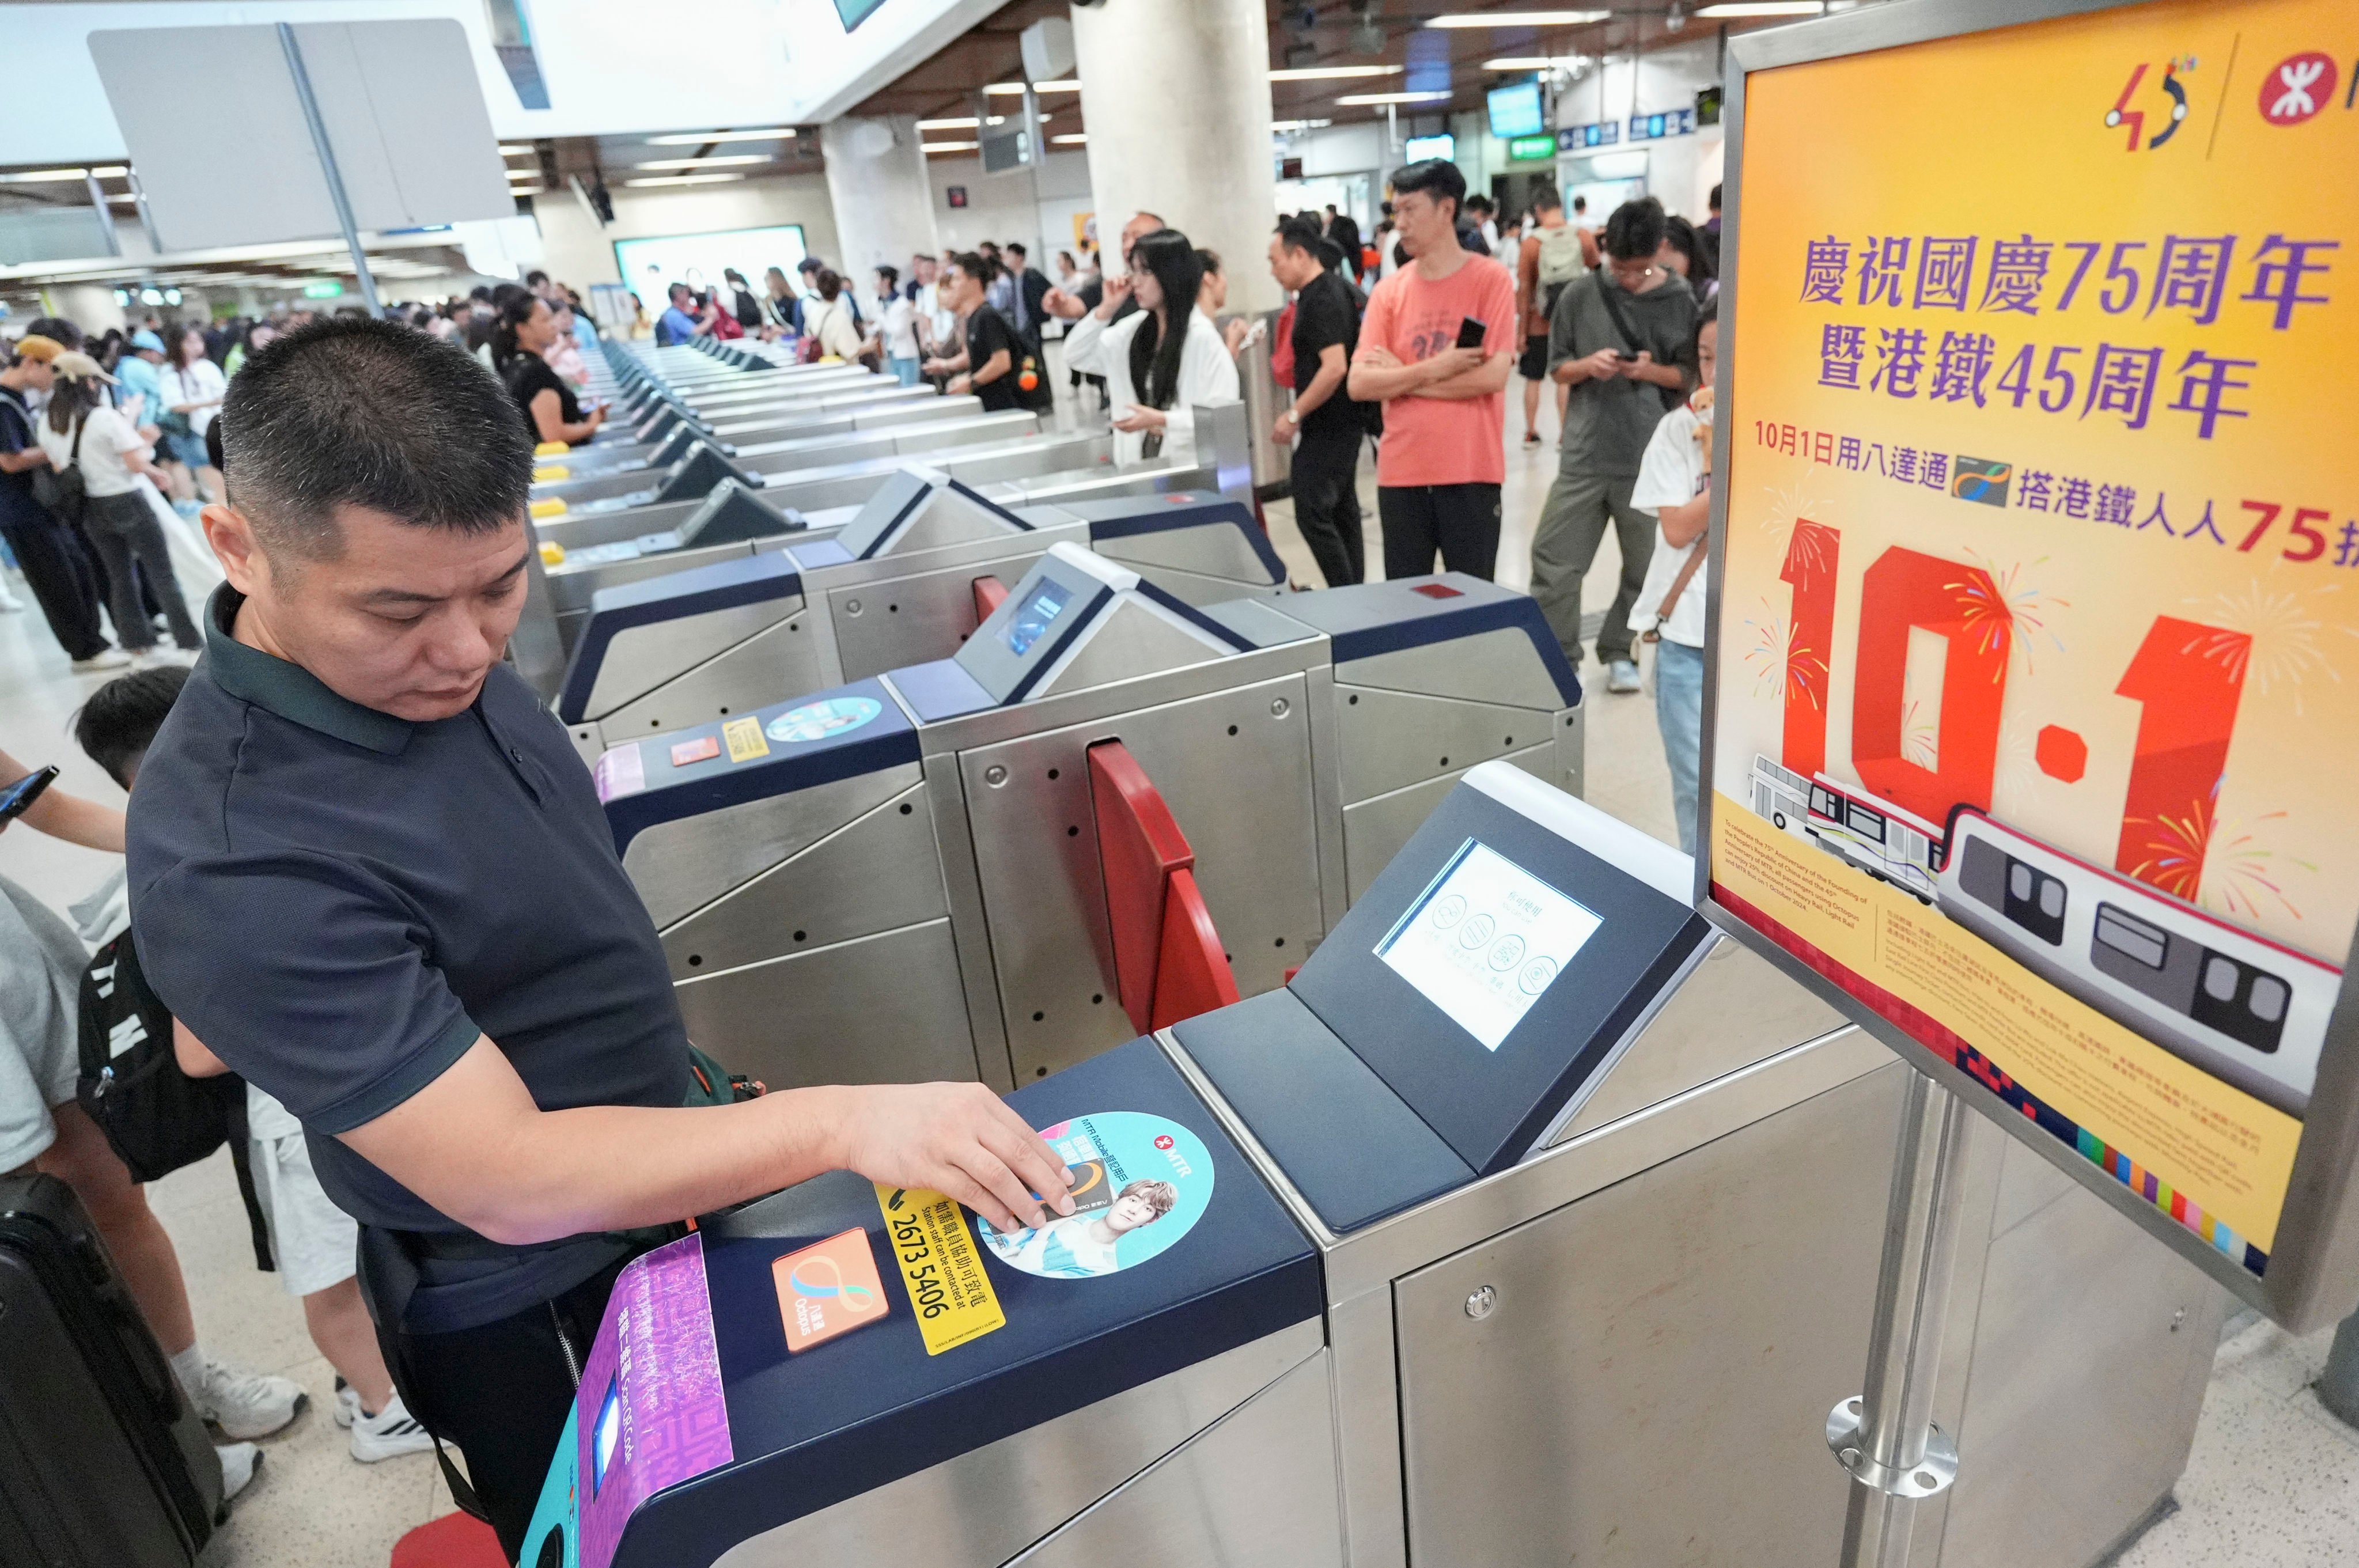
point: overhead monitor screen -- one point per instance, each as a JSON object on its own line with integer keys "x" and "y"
{"x": 1516, "y": 111}
{"x": 851, "y": 12}
{"x": 1484, "y": 940}
{"x": 1417, "y": 149}
{"x": 1037, "y": 615}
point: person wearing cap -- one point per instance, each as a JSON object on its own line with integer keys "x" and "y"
{"x": 137, "y": 376}
{"x": 371, "y": 876}
{"x": 56, "y": 564}
{"x": 79, "y": 429}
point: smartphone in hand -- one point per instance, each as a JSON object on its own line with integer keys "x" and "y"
{"x": 16, "y": 797}
{"x": 1471, "y": 331}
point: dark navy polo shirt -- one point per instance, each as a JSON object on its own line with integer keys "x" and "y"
{"x": 338, "y": 902}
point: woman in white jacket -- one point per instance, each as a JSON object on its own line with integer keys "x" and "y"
{"x": 1160, "y": 360}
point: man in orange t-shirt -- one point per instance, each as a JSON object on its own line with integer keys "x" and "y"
{"x": 1442, "y": 458}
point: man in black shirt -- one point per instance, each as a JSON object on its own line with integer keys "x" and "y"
{"x": 1324, "y": 424}
{"x": 994, "y": 350}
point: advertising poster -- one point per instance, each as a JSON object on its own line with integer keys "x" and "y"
{"x": 2038, "y": 641}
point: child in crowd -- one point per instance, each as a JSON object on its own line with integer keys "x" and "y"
{"x": 1675, "y": 484}
{"x": 314, "y": 1242}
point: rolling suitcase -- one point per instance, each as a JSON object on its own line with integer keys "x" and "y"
{"x": 104, "y": 1464}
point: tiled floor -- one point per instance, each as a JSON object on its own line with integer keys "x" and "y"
{"x": 2273, "y": 1482}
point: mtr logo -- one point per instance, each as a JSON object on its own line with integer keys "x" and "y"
{"x": 2151, "y": 108}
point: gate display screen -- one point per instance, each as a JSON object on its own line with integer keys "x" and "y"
{"x": 1036, "y": 615}
{"x": 1484, "y": 940}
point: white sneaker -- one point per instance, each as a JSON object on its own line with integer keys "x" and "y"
{"x": 348, "y": 1403}
{"x": 246, "y": 1404}
{"x": 9, "y": 603}
{"x": 239, "y": 1460}
{"x": 104, "y": 658}
{"x": 1622, "y": 676}
{"x": 389, "y": 1433}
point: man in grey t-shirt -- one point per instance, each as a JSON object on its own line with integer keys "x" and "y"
{"x": 1616, "y": 339}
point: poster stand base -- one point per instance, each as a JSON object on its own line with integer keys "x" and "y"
{"x": 1884, "y": 1438}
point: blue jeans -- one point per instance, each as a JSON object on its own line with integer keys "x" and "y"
{"x": 1679, "y": 714}
{"x": 905, "y": 371}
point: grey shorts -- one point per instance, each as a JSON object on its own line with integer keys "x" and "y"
{"x": 317, "y": 1243}
{"x": 34, "y": 1074}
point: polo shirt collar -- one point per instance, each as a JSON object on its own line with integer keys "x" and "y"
{"x": 287, "y": 689}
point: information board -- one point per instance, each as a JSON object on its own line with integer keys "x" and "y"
{"x": 2034, "y": 709}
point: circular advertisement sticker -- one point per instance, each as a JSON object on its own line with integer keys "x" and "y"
{"x": 817, "y": 721}
{"x": 1140, "y": 1182}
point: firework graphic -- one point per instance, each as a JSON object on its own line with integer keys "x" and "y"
{"x": 2245, "y": 878}
{"x": 2167, "y": 850}
{"x": 2269, "y": 639}
{"x": 1920, "y": 737}
{"x": 1792, "y": 508}
{"x": 2002, "y": 608}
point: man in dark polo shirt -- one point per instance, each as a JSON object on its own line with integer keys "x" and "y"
{"x": 369, "y": 873}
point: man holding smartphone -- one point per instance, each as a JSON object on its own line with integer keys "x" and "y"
{"x": 1436, "y": 348}
{"x": 1616, "y": 339}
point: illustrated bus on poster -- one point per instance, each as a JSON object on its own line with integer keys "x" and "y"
{"x": 2243, "y": 1008}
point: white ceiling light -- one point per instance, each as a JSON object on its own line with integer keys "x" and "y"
{"x": 44, "y": 177}
{"x": 1070, "y": 138}
{"x": 1016, "y": 88}
{"x": 524, "y": 174}
{"x": 1332, "y": 72}
{"x": 1518, "y": 19}
{"x": 507, "y": 151}
{"x": 110, "y": 171}
{"x": 683, "y": 179}
{"x": 1286, "y": 127}
{"x": 956, "y": 122}
{"x": 1765, "y": 9}
{"x": 1539, "y": 62}
{"x": 1357, "y": 98}
{"x": 698, "y": 139}
{"x": 727, "y": 160}
{"x": 952, "y": 147}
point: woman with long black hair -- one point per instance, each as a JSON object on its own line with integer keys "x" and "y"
{"x": 1160, "y": 361}
{"x": 523, "y": 332}
{"x": 81, "y": 431}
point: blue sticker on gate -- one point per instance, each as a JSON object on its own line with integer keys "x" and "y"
{"x": 818, "y": 721}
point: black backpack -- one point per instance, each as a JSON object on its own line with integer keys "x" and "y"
{"x": 62, "y": 489}
{"x": 155, "y": 1116}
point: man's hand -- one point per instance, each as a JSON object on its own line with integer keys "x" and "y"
{"x": 1282, "y": 431}
{"x": 1633, "y": 369}
{"x": 961, "y": 384}
{"x": 960, "y": 1140}
{"x": 1117, "y": 290}
{"x": 1376, "y": 356}
{"x": 1140, "y": 417}
{"x": 1066, "y": 307}
{"x": 1453, "y": 362}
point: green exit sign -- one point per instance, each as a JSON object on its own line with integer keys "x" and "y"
{"x": 1524, "y": 149}
{"x": 326, "y": 288}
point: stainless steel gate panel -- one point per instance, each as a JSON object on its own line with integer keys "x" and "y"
{"x": 640, "y": 658}
{"x": 2079, "y": 1313}
{"x": 577, "y": 531}
{"x": 1376, "y": 830}
{"x": 680, "y": 866}
{"x": 572, "y": 581}
{"x": 1495, "y": 667}
{"x": 1389, "y": 740}
{"x": 1732, "y": 1010}
{"x": 1234, "y": 767}
{"x": 918, "y": 617}
{"x": 988, "y": 1505}
{"x": 875, "y": 873}
{"x": 1257, "y": 1490}
{"x": 791, "y": 657}
{"x": 1132, "y": 641}
{"x": 785, "y": 1021}
{"x": 1643, "y": 1389}
{"x": 1217, "y": 552}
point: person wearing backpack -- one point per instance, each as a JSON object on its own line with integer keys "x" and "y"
{"x": 1552, "y": 254}
{"x": 96, "y": 460}
{"x": 1615, "y": 340}
{"x": 56, "y": 563}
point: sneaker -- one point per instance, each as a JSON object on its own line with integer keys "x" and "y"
{"x": 389, "y": 1433}
{"x": 239, "y": 1460}
{"x": 104, "y": 658}
{"x": 348, "y": 1403}
{"x": 1622, "y": 676}
{"x": 9, "y": 603}
{"x": 1531, "y": 438}
{"x": 246, "y": 1404}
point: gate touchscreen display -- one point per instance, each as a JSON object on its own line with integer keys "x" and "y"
{"x": 1485, "y": 940}
{"x": 1037, "y": 613}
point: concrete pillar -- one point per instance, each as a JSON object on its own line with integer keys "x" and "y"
{"x": 1176, "y": 100}
{"x": 91, "y": 306}
{"x": 883, "y": 203}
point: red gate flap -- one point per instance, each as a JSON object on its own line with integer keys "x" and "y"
{"x": 1193, "y": 974}
{"x": 1139, "y": 845}
{"x": 990, "y": 593}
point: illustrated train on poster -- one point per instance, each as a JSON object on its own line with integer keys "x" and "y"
{"x": 2245, "y": 1009}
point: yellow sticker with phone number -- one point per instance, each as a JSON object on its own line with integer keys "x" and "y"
{"x": 940, "y": 1266}
{"x": 745, "y": 738}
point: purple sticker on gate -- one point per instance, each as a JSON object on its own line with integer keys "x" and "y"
{"x": 650, "y": 1413}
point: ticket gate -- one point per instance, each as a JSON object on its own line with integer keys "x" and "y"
{"x": 905, "y": 580}
{"x": 861, "y": 406}
{"x": 1530, "y": 1223}
{"x": 903, "y": 879}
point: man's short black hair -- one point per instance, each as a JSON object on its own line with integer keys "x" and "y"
{"x": 676, "y": 290}
{"x": 1479, "y": 203}
{"x": 119, "y": 723}
{"x": 1714, "y": 201}
{"x": 355, "y": 412}
{"x": 976, "y": 265}
{"x": 809, "y": 263}
{"x": 1436, "y": 177}
{"x": 1016, "y": 247}
{"x": 535, "y": 278}
{"x": 1300, "y": 233}
{"x": 1546, "y": 199}
{"x": 1635, "y": 230}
